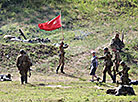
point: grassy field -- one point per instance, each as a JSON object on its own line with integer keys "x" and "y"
{"x": 87, "y": 25}
{"x": 67, "y": 91}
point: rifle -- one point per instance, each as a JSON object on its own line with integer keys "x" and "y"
{"x": 20, "y": 30}
{"x": 122, "y": 35}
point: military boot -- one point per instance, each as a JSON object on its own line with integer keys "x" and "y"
{"x": 22, "y": 80}
{"x": 104, "y": 78}
{"x": 62, "y": 67}
{"x": 114, "y": 79}
{"x": 26, "y": 79}
{"x": 57, "y": 69}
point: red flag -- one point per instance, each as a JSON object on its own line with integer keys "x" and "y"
{"x": 51, "y": 25}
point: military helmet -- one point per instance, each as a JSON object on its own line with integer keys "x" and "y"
{"x": 106, "y": 49}
{"x": 22, "y": 51}
{"x": 122, "y": 62}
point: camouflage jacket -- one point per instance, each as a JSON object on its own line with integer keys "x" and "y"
{"x": 116, "y": 57}
{"x": 107, "y": 59}
{"x": 61, "y": 50}
{"x": 23, "y": 62}
{"x": 117, "y": 43}
{"x": 125, "y": 70}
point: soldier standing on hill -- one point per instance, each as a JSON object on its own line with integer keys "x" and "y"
{"x": 61, "y": 57}
{"x": 108, "y": 64}
{"x": 23, "y": 64}
{"x": 116, "y": 60}
{"x": 117, "y": 43}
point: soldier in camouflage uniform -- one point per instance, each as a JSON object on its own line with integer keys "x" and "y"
{"x": 117, "y": 43}
{"x": 124, "y": 74}
{"x": 61, "y": 59}
{"x": 23, "y": 64}
{"x": 116, "y": 60}
{"x": 122, "y": 90}
{"x": 108, "y": 64}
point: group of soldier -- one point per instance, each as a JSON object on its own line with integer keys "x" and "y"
{"x": 24, "y": 62}
{"x": 116, "y": 46}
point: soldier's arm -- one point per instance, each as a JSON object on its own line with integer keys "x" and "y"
{"x": 112, "y": 43}
{"x": 29, "y": 60}
{"x": 103, "y": 57}
{"x": 121, "y": 43}
{"x": 17, "y": 63}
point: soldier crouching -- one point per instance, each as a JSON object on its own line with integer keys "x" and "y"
{"x": 23, "y": 64}
{"x": 124, "y": 74}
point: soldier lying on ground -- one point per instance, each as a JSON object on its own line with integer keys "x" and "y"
{"x": 5, "y": 77}
{"x": 122, "y": 90}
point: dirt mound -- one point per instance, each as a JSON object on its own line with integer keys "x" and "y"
{"x": 9, "y": 52}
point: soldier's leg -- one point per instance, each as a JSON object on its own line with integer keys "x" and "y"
{"x": 104, "y": 74}
{"x": 22, "y": 80}
{"x": 117, "y": 66}
{"x": 126, "y": 81}
{"x": 62, "y": 67}
{"x": 114, "y": 72}
{"x": 22, "y": 77}
{"x": 26, "y": 77}
{"x": 58, "y": 66}
{"x": 109, "y": 72}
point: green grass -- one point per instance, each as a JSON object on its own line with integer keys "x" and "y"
{"x": 64, "y": 92}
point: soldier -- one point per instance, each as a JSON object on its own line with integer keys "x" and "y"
{"x": 124, "y": 74}
{"x": 23, "y": 64}
{"x": 122, "y": 90}
{"x": 108, "y": 64}
{"x": 117, "y": 43}
{"x": 5, "y": 77}
{"x": 61, "y": 57}
{"x": 116, "y": 60}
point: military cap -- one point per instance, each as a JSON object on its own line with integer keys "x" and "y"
{"x": 22, "y": 51}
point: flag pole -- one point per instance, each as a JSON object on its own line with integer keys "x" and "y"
{"x": 61, "y": 28}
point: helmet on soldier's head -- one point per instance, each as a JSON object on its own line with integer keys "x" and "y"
{"x": 122, "y": 63}
{"x": 22, "y": 51}
{"x": 106, "y": 49}
{"x": 117, "y": 35}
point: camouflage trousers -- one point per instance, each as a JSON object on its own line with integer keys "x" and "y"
{"x": 115, "y": 70}
{"x": 107, "y": 69}
{"x": 61, "y": 63}
{"x": 125, "y": 80}
{"x": 23, "y": 74}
